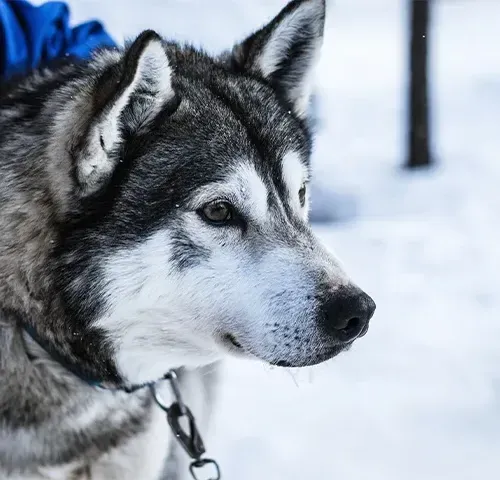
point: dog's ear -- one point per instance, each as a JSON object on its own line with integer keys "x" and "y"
{"x": 285, "y": 51}
{"x": 126, "y": 97}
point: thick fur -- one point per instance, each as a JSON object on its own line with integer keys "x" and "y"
{"x": 106, "y": 168}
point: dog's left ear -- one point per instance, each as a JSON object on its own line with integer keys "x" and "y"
{"x": 285, "y": 51}
{"x": 127, "y": 96}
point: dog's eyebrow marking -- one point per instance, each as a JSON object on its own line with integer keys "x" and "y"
{"x": 254, "y": 191}
{"x": 242, "y": 186}
{"x": 294, "y": 175}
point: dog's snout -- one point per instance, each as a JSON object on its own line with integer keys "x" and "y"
{"x": 347, "y": 313}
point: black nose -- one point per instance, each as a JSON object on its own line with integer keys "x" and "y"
{"x": 346, "y": 313}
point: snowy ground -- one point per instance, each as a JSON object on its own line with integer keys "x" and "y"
{"x": 419, "y": 397}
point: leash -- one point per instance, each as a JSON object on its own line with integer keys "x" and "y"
{"x": 189, "y": 439}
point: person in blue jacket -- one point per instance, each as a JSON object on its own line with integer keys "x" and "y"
{"x": 31, "y": 36}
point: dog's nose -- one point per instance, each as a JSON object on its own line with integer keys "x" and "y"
{"x": 347, "y": 313}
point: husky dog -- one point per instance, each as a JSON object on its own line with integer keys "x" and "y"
{"x": 154, "y": 216}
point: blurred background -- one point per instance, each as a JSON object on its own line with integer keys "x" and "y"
{"x": 419, "y": 396}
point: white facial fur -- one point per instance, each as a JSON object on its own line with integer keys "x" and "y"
{"x": 243, "y": 187}
{"x": 259, "y": 287}
{"x": 295, "y": 176}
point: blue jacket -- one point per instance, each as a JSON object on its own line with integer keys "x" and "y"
{"x": 31, "y": 36}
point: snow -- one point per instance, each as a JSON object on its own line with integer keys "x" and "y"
{"x": 418, "y": 397}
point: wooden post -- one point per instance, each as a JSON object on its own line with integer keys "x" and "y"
{"x": 418, "y": 154}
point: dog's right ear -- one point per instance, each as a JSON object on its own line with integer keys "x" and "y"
{"x": 284, "y": 52}
{"x": 129, "y": 94}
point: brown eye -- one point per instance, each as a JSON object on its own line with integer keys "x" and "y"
{"x": 217, "y": 212}
{"x": 302, "y": 195}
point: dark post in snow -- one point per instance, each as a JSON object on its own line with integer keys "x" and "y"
{"x": 418, "y": 136}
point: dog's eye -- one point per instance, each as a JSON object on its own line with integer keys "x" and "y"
{"x": 302, "y": 195}
{"x": 218, "y": 212}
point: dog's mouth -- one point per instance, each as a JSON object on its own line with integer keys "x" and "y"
{"x": 324, "y": 354}
{"x": 230, "y": 341}
{"x": 315, "y": 359}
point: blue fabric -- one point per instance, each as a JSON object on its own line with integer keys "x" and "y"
{"x": 31, "y": 36}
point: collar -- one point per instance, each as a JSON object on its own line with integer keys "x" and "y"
{"x": 189, "y": 439}
{"x": 76, "y": 370}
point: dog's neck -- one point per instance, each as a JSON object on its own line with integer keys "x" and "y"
{"x": 43, "y": 404}
{"x": 36, "y": 345}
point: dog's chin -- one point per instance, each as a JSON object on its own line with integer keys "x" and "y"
{"x": 320, "y": 356}
{"x": 235, "y": 348}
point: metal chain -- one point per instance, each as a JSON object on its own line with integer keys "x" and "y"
{"x": 189, "y": 439}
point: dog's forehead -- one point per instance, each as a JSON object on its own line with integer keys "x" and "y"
{"x": 246, "y": 116}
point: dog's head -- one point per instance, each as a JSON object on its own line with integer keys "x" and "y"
{"x": 191, "y": 174}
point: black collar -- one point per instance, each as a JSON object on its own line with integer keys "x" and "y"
{"x": 75, "y": 369}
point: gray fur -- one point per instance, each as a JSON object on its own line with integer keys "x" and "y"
{"x": 103, "y": 165}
